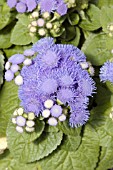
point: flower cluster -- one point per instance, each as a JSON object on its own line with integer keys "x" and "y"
{"x": 22, "y": 5}
{"x": 56, "y": 74}
{"x": 23, "y": 121}
{"x": 106, "y": 72}
{"x": 44, "y": 24}
{"x": 53, "y": 5}
{"x": 54, "y": 112}
{"x": 14, "y": 64}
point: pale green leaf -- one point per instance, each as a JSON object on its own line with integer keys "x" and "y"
{"x": 7, "y": 162}
{"x": 66, "y": 129}
{"x": 20, "y": 34}
{"x": 97, "y": 48}
{"x": 8, "y": 103}
{"x": 106, "y": 18}
{"x": 85, "y": 157}
{"x": 91, "y": 21}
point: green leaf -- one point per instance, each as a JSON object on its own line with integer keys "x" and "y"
{"x": 106, "y": 158}
{"x": 29, "y": 151}
{"x": 85, "y": 157}
{"x": 106, "y": 18}
{"x": 102, "y": 3}
{"x": 8, "y": 103}
{"x": 71, "y": 143}
{"x": 20, "y": 34}
{"x": 91, "y": 21}
{"x": 1, "y": 67}
{"x": 67, "y": 130}
{"x": 97, "y": 48}
{"x": 69, "y": 33}
{"x": 5, "y": 15}
{"x": 73, "y": 18}
{"x": 110, "y": 86}
{"x": 76, "y": 40}
{"x": 5, "y": 35}
{"x": 8, "y": 162}
{"x": 101, "y": 99}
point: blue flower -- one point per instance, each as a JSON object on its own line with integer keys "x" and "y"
{"x": 47, "y": 6}
{"x": 16, "y": 59}
{"x": 56, "y": 73}
{"x": 78, "y": 117}
{"x": 21, "y": 7}
{"x": 106, "y": 72}
{"x": 62, "y": 9}
{"x": 43, "y": 45}
{"x": 11, "y": 3}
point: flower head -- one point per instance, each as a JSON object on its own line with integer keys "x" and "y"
{"x": 47, "y": 6}
{"x": 106, "y": 72}
{"x": 56, "y": 74}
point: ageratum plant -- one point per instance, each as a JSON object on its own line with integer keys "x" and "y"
{"x": 56, "y": 85}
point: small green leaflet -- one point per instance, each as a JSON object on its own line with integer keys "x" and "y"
{"x": 1, "y": 67}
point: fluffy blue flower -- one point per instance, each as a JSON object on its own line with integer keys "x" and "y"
{"x": 21, "y": 7}
{"x": 9, "y": 75}
{"x": 62, "y": 9}
{"x": 16, "y": 59}
{"x": 11, "y": 3}
{"x": 78, "y": 117}
{"x": 56, "y": 110}
{"x": 106, "y": 72}
{"x": 43, "y": 45}
{"x": 31, "y": 5}
{"x": 47, "y": 6}
{"x": 56, "y": 73}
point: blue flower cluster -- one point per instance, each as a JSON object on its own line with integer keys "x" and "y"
{"x": 106, "y": 72}
{"x": 56, "y": 74}
{"x": 22, "y": 5}
{"x": 45, "y": 5}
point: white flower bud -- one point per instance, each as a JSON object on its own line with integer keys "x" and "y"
{"x": 46, "y": 15}
{"x": 84, "y": 65}
{"x": 112, "y": 51}
{"x": 28, "y": 129}
{"x": 19, "y": 80}
{"x": 91, "y": 71}
{"x": 41, "y": 32}
{"x": 27, "y": 62}
{"x": 35, "y": 14}
{"x": 14, "y": 120}
{"x": 31, "y": 34}
{"x": 40, "y": 22}
{"x": 7, "y": 65}
{"x": 46, "y": 113}
{"x": 62, "y": 118}
{"x": 48, "y": 103}
{"x": 34, "y": 23}
{"x": 52, "y": 121}
{"x": 31, "y": 116}
{"x": 49, "y": 25}
{"x": 19, "y": 129}
{"x": 15, "y": 113}
{"x": 30, "y": 123}
{"x": 20, "y": 111}
{"x": 3, "y": 143}
{"x": 29, "y": 26}
{"x": 32, "y": 29}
